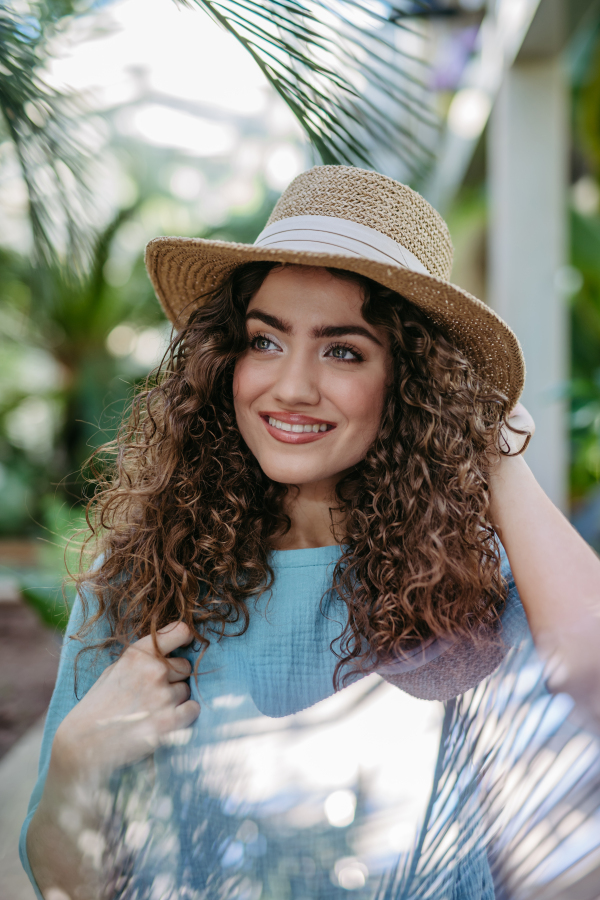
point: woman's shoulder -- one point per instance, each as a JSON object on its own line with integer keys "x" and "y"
{"x": 87, "y": 629}
{"x": 446, "y": 668}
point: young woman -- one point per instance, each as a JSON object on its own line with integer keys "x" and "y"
{"x": 310, "y": 492}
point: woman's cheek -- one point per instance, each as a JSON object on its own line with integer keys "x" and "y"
{"x": 362, "y": 402}
{"x": 244, "y": 382}
{"x": 240, "y": 401}
{"x": 250, "y": 382}
{"x": 237, "y": 377}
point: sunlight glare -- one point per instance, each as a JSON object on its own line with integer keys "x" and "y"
{"x": 158, "y": 47}
{"x": 340, "y": 807}
{"x": 166, "y": 127}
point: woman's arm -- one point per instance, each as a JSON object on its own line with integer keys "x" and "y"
{"x": 63, "y": 834}
{"x": 133, "y": 707}
{"x": 558, "y": 578}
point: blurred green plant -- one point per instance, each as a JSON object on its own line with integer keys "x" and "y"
{"x": 585, "y": 344}
{"x": 43, "y": 126}
{"x": 57, "y": 379}
{"x": 45, "y": 589}
{"x": 585, "y": 257}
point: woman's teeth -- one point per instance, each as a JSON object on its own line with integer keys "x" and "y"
{"x": 298, "y": 429}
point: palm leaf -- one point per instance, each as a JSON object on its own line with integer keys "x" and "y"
{"x": 516, "y": 781}
{"x": 42, "y": 123}
{"x": 348, "y": 71}
{"x": 514, "y": 811}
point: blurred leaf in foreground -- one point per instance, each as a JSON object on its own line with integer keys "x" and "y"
{"x": 44, "y": 126}
{"x": 354, "y": 75}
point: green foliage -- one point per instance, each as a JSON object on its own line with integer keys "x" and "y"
{"x": 42, "y": 124}
{"x": 361, "y": 98}
{"x": 59, "y": 324}
{"x": 46, "y": 589}
{"x": 586, "y": 90}
{"x": 585, "y": 345}
{"x": 48, "y": 600}
{"x": 585, "y": 256}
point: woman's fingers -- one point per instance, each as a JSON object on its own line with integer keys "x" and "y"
{"x": 186, "y": 714}
{"x": 140, "y": 699}
{"x": 178, "y": 669}
{"x": 169, "y": 638}
{"x": 180, "y": 692}
{"x": 180, "y": 721}
{"x": 172, "y": 636}
{"x": 519, "y": 420}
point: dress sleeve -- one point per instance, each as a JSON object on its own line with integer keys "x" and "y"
{"x": 446, "y": 668}
{"x": 90, "y": 667}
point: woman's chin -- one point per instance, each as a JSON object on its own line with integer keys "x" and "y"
{"x": 297, "y": 475}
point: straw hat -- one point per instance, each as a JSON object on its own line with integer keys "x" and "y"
{"x": 353, "y": 219}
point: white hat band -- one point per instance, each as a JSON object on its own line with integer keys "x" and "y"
{"x": 328, "y": 234}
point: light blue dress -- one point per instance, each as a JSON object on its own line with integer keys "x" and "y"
{"x": 252, "y": 802}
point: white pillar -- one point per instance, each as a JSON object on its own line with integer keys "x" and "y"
{"x": 528, "y": 171}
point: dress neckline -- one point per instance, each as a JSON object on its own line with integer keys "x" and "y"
{"x": 307, "y": 556}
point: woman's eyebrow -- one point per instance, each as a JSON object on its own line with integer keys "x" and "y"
{"x": 333, "y": 331}
{"x": 324, "y": 331}
{"x": 271, "y": 321}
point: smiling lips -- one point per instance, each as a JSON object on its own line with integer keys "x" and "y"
{"x": 293, "y": 428}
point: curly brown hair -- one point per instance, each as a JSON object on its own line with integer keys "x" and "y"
{"x": 184, "y": 518}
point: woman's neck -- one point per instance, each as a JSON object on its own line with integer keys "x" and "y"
{"x": 313, "y": 513}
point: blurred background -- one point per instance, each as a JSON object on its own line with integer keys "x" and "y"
{"x": 121, "y": 120}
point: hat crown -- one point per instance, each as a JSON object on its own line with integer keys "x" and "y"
{"x": 374, "y": 200}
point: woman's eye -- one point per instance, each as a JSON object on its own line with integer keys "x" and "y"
{"x": 347, "y": 354}
{"x": 260, "y": 342}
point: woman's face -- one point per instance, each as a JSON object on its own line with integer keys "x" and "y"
{"x": 309, "y": 389}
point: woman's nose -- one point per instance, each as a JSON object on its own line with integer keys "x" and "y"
{"x": 297, "y": 381}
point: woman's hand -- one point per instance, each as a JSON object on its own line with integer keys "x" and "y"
{"x": 520, "y": 419}
{"x": 137, "y": 704}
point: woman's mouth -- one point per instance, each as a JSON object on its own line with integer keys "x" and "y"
{"x": 300, "y": 430}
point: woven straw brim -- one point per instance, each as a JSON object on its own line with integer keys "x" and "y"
{"x": 184, "y": 272}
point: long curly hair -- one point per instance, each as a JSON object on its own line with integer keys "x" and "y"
{"x": 183, "y": 518}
